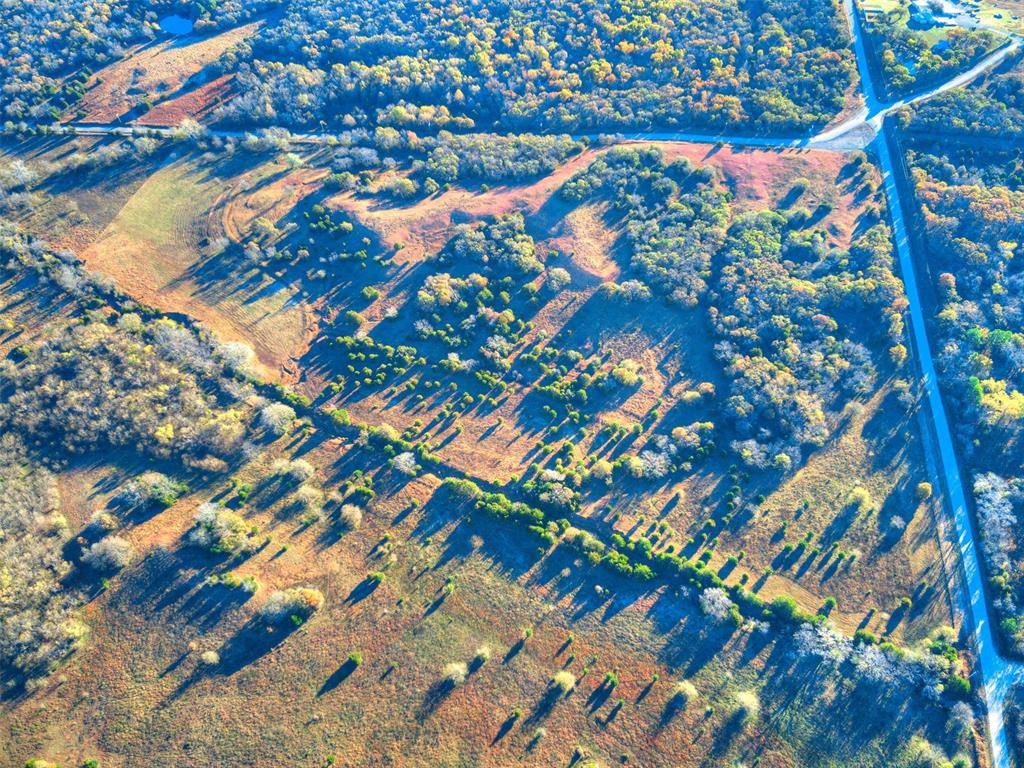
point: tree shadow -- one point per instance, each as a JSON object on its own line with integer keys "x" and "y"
{"x": 433, "y": 698}
{"x": 340, "y": 675}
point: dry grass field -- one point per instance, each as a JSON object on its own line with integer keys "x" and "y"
{"x": 179, "y": 669}
{"x": 153, "y": 84}
{"x": 158, "y": 701}
{"x": 153, "y": 247}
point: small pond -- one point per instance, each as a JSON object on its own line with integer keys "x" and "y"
{"x": 176, "y": 25}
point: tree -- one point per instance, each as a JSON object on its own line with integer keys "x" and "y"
{"x": 294, "y": 604}
{"x": 277, "y": 418}
{"x": 111, "y": 553}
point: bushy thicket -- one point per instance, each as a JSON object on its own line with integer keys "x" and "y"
{"x": 788, "y": 310}
{"x": 151, "y": 386}
{"x": 555, "y": 65}
{"x": 793, "y": 328}
{"x": 38, "y": 626}
{"x": 501, "y": 243}
{"x": 491, "y": 157}
{"x": 674, "y": 215}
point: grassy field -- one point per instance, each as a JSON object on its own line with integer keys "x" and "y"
{"x": 175, "y": 660}
{"x": 139, "y": 691}
{"x": 876, "y": 448}
{"x": 155, "y": 237}
{"x": 1007, "y": 15}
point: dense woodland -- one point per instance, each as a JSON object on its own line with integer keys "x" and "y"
{"x": 973, "y": 218}
{"x": 993, "y": 108}
{"x": 555, "y": 65}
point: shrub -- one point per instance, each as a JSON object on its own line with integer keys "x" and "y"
{"x": 150, "y": 488}
{"x": 683, "y": 693}
{"x": 556, "y": 279}
{"x": 564, "y": 681}
{"x": 350, "y": 517}
{"x": 295, "y": 603}
{"x": 277, "y": 418}
{"x": 455, "y": 673}
{"x": 924, "y": 491}
{"x": 221, "y": 531}
{"x": 785, "y": 608}
{"x": 210, "y": 658}
{"x": 860, "y": 497}
{"x": 405, "y": 463}
{"x": 747, "y": 707}
{"x": 294, "y": 472}
{"x": 111, "y": 553}
{"x": 400, "y": 187}
{"x": 238, "y": 357}
{"x": 309, "y": 498}
{"x": 482, "y": 655}
{"x": 101, "y": 523}
{"x": 958, "y": 687}
{"x": 627, "y": 373}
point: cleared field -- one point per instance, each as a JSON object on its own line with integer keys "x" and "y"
{"x": 159, "y": 74}
{"x": 164, "y": 232}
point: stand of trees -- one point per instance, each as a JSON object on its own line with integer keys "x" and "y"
{"x": 910, "y": 59}
{"x": 38, "y": 626}
{"x": 973, "y": 219}
{"x": 789, "y": 311}
{"x": 552, "y": 65}
{"x": 994, "y": 108}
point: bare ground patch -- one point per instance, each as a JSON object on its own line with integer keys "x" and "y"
{"x": 156, "y": 71}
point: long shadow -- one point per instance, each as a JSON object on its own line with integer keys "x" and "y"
{"x": 505, "y": 728}
{"x": 340, "y": 675}
{"x": 433, "y": 698}
{"x": 600, "y": 695}
{"x": 250, "y": 643}
{"x": 362, "y": 590}
{"x": 547, "y": 703}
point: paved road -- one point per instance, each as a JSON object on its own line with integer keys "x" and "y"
{"x": 996, "y": 673}
{"x": 874, "y": 111}
{"x": 856, "y": 132}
